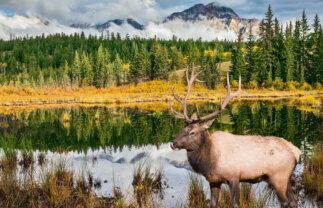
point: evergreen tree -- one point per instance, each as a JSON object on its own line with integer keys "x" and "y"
{"x": 314, "y": 73}
{"x": 250, "y": 57}
{"x": 117, "y": 70}
{"x": 76, "y": 70}
{"x": 101, "y": 69}
{"x": 211, "y": 75}
{"x": 159, "y": 63}
{"x": 86, "y": 71}
{"x": 238, "y": 64}
{"x": 139, "y": 65}
{"x": 304, "y": 64}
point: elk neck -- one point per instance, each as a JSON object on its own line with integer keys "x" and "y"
{"x": 201, "y": 159}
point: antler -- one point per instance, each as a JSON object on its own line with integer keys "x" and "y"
{"x": 227, "y": 99}
{"x": 190, "y": 82}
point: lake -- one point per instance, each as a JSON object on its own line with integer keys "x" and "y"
{"x": 110, "y": 142}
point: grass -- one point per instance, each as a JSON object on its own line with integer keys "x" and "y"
{"x": 313, "y": 174}
{"x": 153, "y": 91}
{"x": 145, "y": 183}
{"x": 59, "y": 187}
{"x": 196, "y": 194}
{"x": 248, "y": 197}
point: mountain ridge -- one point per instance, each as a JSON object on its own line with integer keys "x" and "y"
{"x": 212, "y": 14}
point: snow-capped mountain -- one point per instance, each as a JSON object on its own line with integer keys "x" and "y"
{"x": 208, "y": 22}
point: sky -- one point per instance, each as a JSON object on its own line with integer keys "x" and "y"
{"x": 99, "y": 11}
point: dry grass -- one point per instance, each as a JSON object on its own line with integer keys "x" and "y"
{"x": 146, "y": 183}
{"x": 313, "y": 174}
{"x": 153, "y": 91}
{"x": 196, "y": 194}
{"x": 57, "y": 187}
{"x": 248, "y": 197}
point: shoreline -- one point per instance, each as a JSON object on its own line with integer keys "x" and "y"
{"x": 146, "y": 97}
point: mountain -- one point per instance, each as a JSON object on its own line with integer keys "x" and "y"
{"x": 209, "y": 22}
{"x": 119, "y": 22}
{"x": 199, "y": 11}
{"x": 219, "y": 17}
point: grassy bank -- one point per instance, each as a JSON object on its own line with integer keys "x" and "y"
{"x": 60, "y": 187}
{"x": 154, "y": 91}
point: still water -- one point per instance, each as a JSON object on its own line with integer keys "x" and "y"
{"x": 110, "y": 143}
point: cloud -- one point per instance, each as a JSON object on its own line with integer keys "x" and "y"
{"x": 91, "y": 11}
{"x": 99, "y": 11}
{"x": 19, "y": 26}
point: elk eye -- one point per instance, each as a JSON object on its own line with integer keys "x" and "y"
{"x": 192, "y": 133}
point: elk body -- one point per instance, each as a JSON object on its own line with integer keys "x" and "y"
{"x": 227, "y": 158}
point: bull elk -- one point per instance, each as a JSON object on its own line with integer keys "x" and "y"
{"x": 223, "y": 157}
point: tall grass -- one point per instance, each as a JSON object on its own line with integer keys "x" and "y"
{"x": 196, "y": 193}
{"x": 146, "y": 183}
{"x": 249, "y": 198}
{"x": 313, "y": 174}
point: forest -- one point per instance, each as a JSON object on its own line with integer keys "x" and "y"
{"x": 281, "y": 56}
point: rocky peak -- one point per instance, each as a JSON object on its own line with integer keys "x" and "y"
{"x": 199, "y": 11}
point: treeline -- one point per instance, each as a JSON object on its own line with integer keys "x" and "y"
{"x": 287, "y": 56}
{"x": 291, "y": 53}
{"x": 61, "y": 60}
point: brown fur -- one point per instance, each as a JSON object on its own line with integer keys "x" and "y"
{"x": 227, "y": 158}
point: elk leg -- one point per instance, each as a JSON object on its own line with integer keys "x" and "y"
{"x": 280, "y": 184}
{"x": 235, "y": 193}
{"x": 215, "y": 193}
{"x": 291, "y": 197}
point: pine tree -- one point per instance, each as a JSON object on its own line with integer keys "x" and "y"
{"x": 101, "y": 69}
{"x": 304, "y": 47}
{"x": 117, "y": 70}
{"x": 76, "y": 70}
{"x": 238, "y": 65}
{"x": 139, "y": 65}
{"x": 250, "y": 57}
{"x": 66, "y": 79}
{"x": 314, "y": 72}
{"x": 159, "y": 63}
{"x": 86, "y": 71}
{"x": 289, "y": 63}
{"x": 210, "y": 73}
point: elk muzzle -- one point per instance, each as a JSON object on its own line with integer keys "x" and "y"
{"x": 174, "y": 146}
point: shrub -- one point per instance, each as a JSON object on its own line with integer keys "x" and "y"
{"x": 290, "y": 86}
{"x": 318, "y": 86}
{"x": 278, "y": 83}
{"x": 306, "y": 86}
{"x": 234, "y": 84}
{"x": 252, "y": 85}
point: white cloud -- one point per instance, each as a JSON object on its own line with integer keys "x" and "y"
{"x": 18, "y": 25}
{"x": 92, "y": 11}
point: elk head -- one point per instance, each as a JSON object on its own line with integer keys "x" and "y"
{"x": 193, "y": 133}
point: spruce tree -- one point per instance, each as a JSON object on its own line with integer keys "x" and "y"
{"x": 237, "y": 59}
{"x": 117, "y": 70}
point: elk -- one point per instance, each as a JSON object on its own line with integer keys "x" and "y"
{"x": 223, "y": 157}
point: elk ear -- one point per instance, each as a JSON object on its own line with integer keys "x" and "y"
{"x": 194, "y": 116}
{"x": 207, "y": 124}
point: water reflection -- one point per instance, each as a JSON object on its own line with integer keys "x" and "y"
{"x": 109, "y": 143}
{"x": 82, "y": 129}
